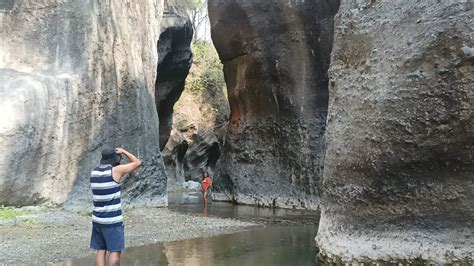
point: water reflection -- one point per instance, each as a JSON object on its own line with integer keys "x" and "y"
{"x": 272, "y": 245}
{"x": 191, "y": 203}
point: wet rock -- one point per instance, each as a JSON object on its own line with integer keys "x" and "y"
{"x": 75, "y": 76}
{"x": 400, "y": 134}
{"x": 275, "y": 56}
{"x": 174, "y": 61}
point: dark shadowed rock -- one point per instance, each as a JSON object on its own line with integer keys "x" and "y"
{"x": 275, "y": 56}
{"x": 174, "y": 61}
{"x": 399, "y": 166}
{"x": 75, "y": 76}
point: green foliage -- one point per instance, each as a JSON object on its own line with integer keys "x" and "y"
{"x": 10, "y": 212}
{"x": 206, "y": 73}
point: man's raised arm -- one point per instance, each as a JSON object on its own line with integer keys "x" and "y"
{"x": 123, "y": 169}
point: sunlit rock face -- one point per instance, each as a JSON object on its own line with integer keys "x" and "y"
{"x": 75, "y": 76}
{"x": 275, "y": 56}
{"x": 398, "y": 171}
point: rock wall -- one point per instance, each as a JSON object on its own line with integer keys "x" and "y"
{"x": 174, "y": 60}
{"x": 398, "y": 171}
{"x": 275, "y": 56}
{"x": 75, "y": 76}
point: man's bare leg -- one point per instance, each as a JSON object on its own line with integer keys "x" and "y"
{"x": 114, "y": 259}
{"x": 100, "y": 258}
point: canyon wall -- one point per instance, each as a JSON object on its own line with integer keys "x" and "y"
{"x": 76, "y": 76}
{"x": 174, "y": 60}
{"x": 275, "y": 56}
{"x": 398, "y": 170}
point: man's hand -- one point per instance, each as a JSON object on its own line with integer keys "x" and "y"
{"x": 120, "y": 151}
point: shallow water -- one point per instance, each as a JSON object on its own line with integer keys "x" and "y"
{"x": 272, "y": 245}
{"x": 283, "y": 241}
{"x": 191, "y": 203}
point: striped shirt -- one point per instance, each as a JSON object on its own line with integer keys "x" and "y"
{"x": 106, "y": 196}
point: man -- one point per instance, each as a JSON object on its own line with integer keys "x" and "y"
{"x": 107, "y": 220}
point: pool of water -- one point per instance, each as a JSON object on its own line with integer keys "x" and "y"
{"x": 286, "y": 239}
{"x": 271, "y": 245}
{"x": 191, "y": 203}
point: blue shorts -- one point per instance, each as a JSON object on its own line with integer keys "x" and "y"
{"x": 108, "y": 238}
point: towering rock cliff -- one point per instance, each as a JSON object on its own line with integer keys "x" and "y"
{"x": 75, "y": 76}
{"x": 174, "y": 60}
{"x": 275, "y": 56}
{"x": 399, "y": 165}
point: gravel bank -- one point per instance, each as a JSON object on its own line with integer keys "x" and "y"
{"x": 52, "y": 235}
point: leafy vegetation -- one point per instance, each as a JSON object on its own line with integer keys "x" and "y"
{"x": 206, "y": 72}
{"x": 10, "y": 212}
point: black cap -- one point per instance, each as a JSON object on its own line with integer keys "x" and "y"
{"x": 109, "y": 156}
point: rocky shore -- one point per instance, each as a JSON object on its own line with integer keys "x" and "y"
{"x": 44, "y": 235}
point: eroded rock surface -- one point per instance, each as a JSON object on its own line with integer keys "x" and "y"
{"x": 174, "y": 60}
{"x": 398, "y": 171}
{"x": 275, "y": 56}
{"x": 75, "y": 76}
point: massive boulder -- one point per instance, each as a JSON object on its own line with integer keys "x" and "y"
{"x": 76, "y": 76}
{"x": 399, "y": 165}
{"x": 174, "y": 61}
{"x": 275, "y": 56}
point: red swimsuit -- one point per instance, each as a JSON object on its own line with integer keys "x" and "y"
{"x": 206, "y": 183}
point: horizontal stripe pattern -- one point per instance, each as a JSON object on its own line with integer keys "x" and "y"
{"x": 106, "y": 195}
{"x": 102, "y": 192}
{"x": 108, "y": 208}
{"x": 98, "y": 172}
{"x": 109, "y": 220}
{"x": 106, "y": 203}
{"x": 101, "y": 179}
{"x": 105, "y": 185}
{"x": 107, "y": 214}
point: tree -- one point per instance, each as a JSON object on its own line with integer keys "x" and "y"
{"x": 197, "y": 12}
{"x": 198, "y": 15}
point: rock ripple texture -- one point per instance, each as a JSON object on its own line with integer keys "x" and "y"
{"x": 75, "y": 76}
{"x": 399, "y": 168}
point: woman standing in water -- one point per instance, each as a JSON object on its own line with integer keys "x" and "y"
{"x": 206, "y": 187}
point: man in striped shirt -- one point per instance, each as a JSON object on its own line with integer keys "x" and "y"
{"x": 107, "y": 219}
